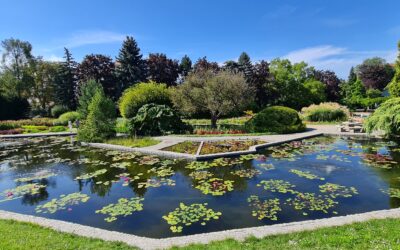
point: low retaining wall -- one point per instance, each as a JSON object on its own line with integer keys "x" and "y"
{"x": 237, "y": 234}
{"x": 37, "y": 135}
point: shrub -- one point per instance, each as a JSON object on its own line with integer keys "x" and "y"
{"x": 12, "y": 131}
{"x": 275, "y": 119}
{"x": 100, "y": 122}
{"x": 325, "y": 112}
{"x": 68, "y": 116}
{"x": 20, "y": 123}
{"x": 86, "y": 94}
{"x": 153, "y": 119}
{"x": 385, "y": 119}
{"x": 140, "y": 94}
{"x": 34, "y": 129}
{"x": 58, "y": 110}
{"x": 57, "y": 129}
{"x": 122, "y": 126}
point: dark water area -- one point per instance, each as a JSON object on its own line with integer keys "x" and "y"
{"x": 310, "y": 179}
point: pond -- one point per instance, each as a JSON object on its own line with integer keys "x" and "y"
{"x": 149, "y": 196}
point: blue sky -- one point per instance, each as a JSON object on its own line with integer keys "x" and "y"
{"x": 327, "y": 34}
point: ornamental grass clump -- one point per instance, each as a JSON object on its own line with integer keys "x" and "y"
{"x": 325, "y": 112}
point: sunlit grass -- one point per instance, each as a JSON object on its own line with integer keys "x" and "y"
{"x": 138, "y": 142}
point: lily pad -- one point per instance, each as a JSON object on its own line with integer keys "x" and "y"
{"x": 335, "y": 190}
{"x": 264, "y": 209}
{"x": 306, "y": 174}
{"x": 215, "y": 186}
{"x": 124, "y": 207}
{"x": 277, "y": 186}
{"x": 62, "y": 203}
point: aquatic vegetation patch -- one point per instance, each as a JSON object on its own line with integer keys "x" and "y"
{"x": 62, "y": 203}
{"x": 249, "y": 157}
{"x": 213, "y": 147}
{"x": 266, "y": 166}
{"x": 149, "y": 160}
{"x": 127, "y": 178}
{"x": 335, "y": 190}
{"x": 35, "y": 177}
{"x": 186, "y": 215}
{"x": 215, "y": 186}
{"x": 162, "y": 171}
{"x": 120, "y": 165}
{"x": 392, "y": 192}
{"x": 306, "y": 174}
{"x": 379, "y": 160}
{"x": 156, "y": 183}
{"x": 198, "y": 165}
{"x": 277, "y": 186}
{"x": 124, "y": 207}
{"x": 200, "y": 175}
{"x": 264, "y": 209}
{"x": 20, "y": 191}
{"x": 91, "y": 175}
{"x": 246, "y": 173}
{"x": 311, "y": 202}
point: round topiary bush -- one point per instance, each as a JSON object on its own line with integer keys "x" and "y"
{"x": 140, "y": 94}
{"x": 68, "y": 116}
{"x": 325, "y": 112}
{"x": 58, "y": 110}
{"x": 276, "y": 119}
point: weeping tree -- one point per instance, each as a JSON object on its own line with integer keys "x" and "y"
{"x": 216, "y": 93}
{"x": 385, "y": 119}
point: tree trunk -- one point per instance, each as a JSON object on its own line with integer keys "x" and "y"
{"x": 214, "y": 119}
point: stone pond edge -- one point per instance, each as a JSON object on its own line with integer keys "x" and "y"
{"x": 204, "y": 238}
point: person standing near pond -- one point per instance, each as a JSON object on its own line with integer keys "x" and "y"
{"x": 70, "y": 126}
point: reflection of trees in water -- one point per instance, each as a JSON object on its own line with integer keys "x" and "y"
{"x": 33, "y": 199}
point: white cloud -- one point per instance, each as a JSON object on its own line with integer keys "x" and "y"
{"x": 53, "y": 58}
{"x": 337, "y": 59}
{"x": 82, "y": 38}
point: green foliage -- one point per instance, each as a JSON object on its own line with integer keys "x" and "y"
{"x": 385, "y": 119}
{"x": 276, "y": 119}
{"x": 316, "y": 91}
{"x": 92, "y": 175}
{"x": 153, "y": 119}
{"x": 277, "y": 186}
{"x": 306, "y": 174}
{"x": 142, "y": 93}
{"x": 124, "y": 207}
{"x": 62, "y": 203}
{"x": 215, "y": 93}
{"x": 215, "y": 186}
{"x": 122, "y": 126}
{"x": 58, "y": 110}
{"x": 325, "y": 112}
{"x": 375, "y": 73}
{"x": 335, "y": 190}
{"x": 100, "y": 122}
{"x": 87, "y": 92}
{"x": 186, "y": 215}
{"x": 311, "y": 202}
{"x": 68, "y": 116}
{"x": 394, "y": 85}
{"x": 133, "y": 142}
{"x": 20, "y": 191}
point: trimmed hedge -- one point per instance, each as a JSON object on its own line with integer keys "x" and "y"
{"x": 58, "y": 110}
{"x": 68, "y": 116}
{"x": 140, "y": 94}
{"x": 275, "y": 119}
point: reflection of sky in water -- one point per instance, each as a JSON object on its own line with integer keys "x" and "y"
{"x": 331, "y": 159}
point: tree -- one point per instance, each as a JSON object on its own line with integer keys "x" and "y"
{"x": 87, "y": 91}
{"x": 99, "y": 68}
{"x": 385, "y": 119}
{"x": 131, "y": 68}
{"x": 352, "y": 76}
{"x": 394, "y": 85}
{"x": 262, "y": 83}
{"x": 289, "y": 82}
{"x": 216, "y": 93}
{"x": 162, "y": 69}
{"x": 316, "y": 91}
{"x": 375, "y": 73}
{"x": 202, "y": 65}
{"x": 245, "y": 66}
{"x": 185, "y": 66}
{"x": 100, "y": 121}
{"x": 231, "y": 66}
{"x": 16, "y": 62}
{"x": 42, "y": 93}
{"x": 66, "y": 82}
{"x": 331, "y": 81}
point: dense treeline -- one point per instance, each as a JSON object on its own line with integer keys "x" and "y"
{"x": 31, "y": 86}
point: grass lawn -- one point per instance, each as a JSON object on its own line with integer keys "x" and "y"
{"x": 375, "y": 234}
{"x": 133, "y": 142}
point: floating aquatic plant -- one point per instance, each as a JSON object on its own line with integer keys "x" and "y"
{"x": 215, "y": 186}
{"x": 278, "y": 186}
{"x": 392, "y": 192}
{"x": 200, "y": 175}
{"x": 62, "y": 203}
{"x": 127, "y": 178}
{"x": 266, "y": 166}
{"x": 335, "y": 190}
{"x": 249, "y": 157}
{"x": 156, "y": 183}
{"x": 186, "y": 215}
{"x": 264, "y": 209}
{"x": 306, "y": 174}
{"x": 35, "y": 177}
{"x": 20, "y": 191}
{"x": 379, "y": 160}
{"x": 198, "y": 165}
{"x": 149, "y": 160}
{"x": 311, "y": 202}
{"x": 120, "y": 165}
{"x": 124, "y": 207}
{"x": 162, "y": 171}
{"x": 247, "y": 173}
{"x": 91, "y": 175}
